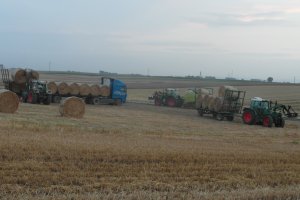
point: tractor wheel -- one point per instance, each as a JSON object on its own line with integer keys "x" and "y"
{"x": 171, "y": 101}
{"x": 29, "y": 97}
{"x": 157, "y": 101}
{"x": 248, "y": 117}
{"x": 267, "y": 121}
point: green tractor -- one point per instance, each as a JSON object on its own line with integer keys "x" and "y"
{"x": 36, "y": 92}
{"x": 169, "y": 97}
{"x": 267, "y": 113}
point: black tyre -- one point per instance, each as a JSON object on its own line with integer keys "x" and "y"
{"x": 47, "y": 101}
{"x": 267, "y": 121}
{"x": 96, "y": 101}
{"x": 280, "y": 123}
{"x": 35, "y": 99}
{"x": 248, "y": 117}
{"x": 200, "y": 112}
{"x": 230, "y": 118}
{"x": 219, "y": 117}
{"x": 56, "y": 99}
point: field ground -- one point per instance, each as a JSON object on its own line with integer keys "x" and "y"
{"x": 140, "y": 151}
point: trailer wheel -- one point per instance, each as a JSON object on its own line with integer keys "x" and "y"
{"x": 56, "y": 99}
{"x": 200, "y": 112}
{"x": 230, "y": 118}
{"x": 219, "y": 117}
{"x": 267, "y": 121}
{"x": 248, "y": 117}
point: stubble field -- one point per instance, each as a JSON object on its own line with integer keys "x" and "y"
{"x": 140, "y": 151}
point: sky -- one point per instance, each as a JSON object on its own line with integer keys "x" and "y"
{"x": 223, "y": 38}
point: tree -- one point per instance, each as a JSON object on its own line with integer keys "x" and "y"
{"x": 270, "y": 79}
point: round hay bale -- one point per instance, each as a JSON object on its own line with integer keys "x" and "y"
{"x": 73, "y": 107}
{"x": 224, "y": 88}
{"x": 199, "y": 101}
{"x": 63, "y": 88}
{"x": 202, "y": 91}
{"x": 17, "y": 75}
{"x": 218, "y": 104}
{"x": 52, "y": 87}
{"x": 95, "y": 90}
{"x": 211, "y": 103}
{"x": 104, "y": 91}
{"x": 206, "y": 100}
{"x": 74, "y": 89}
{"x": 9, "y": 101}
{"x": 84, "y": 90}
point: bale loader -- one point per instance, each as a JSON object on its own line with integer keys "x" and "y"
{"x": 266, "y": 113}
{"x": 31, "y": 91}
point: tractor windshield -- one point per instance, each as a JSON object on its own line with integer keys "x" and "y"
{"x": 260, "y": 104}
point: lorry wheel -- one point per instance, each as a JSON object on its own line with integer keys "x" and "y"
{"x": 248, "y": 117}
{"x": 230, "y": 118}
{"x": 267, "y": 121}
{"x": 171, "y": 101}
{"x": 117, "y": 102}
{"x": 96, "y": 101}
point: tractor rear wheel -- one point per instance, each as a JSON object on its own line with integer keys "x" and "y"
{"x": 248, "y": 117}
{"x": 171, "y": 101}
{"x": 267, "y": 121}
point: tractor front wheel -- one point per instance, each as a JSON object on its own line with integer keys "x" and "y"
{"x": 171, "y": 101}
{"x": 248, "y": 117}
{"x": 280, "y": 123}
{"x": 267, "y": 121}
{"x": 157, "y": 101}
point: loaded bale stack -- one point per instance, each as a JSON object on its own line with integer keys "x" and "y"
{"x": 63, "y": 88}
{"x": 95, "y": 90}
{"x": 52, "y": 86}
{"x": 74, "y": 89}
{"x": 32, "y": 74}
{"x": 9, "y": 101}
{"x": 224, "y": 88}
{"x": 104, "y": 90}
{"x": 211, "y": 103}
{"x": 84, "y": 90}
{"x": 73, "y": 107}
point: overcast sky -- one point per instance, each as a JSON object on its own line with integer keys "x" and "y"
{"x": 239, "y": 38}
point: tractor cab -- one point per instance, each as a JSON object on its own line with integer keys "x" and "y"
{"x": 171, "y": 91}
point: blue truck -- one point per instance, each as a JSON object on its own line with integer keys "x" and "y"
{"x": 117, "y": 96}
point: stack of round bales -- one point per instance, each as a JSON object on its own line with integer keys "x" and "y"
{"x": 73, "y": 107}
{"x": 9, "y": 101}
{"x": 32, "y": 74}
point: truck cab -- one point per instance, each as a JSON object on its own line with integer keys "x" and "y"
{"x": 118, "y": 89}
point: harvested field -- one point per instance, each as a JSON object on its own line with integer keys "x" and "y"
{"x": 140, "y": 151}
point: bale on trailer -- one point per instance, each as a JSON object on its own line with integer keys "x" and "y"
{"x": 52, "y": 86}
{"x": 202, "y": 91}
{"x": 211, "y": 103}
{"x": 95, "y": 90}
{"x": 104, "y": 91}
{"x": 206, "y": 100}
{"x": 63, "y": 88}
{"x": 219, "y": 104}
{"x": 84, "y": 90}
{"x": 73, "y": 107}
{"x": 224, "y": 88}
{"x": 9, "y": 101}
{"x": 17, "y": 75}
{"x": 74, "y": 89}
